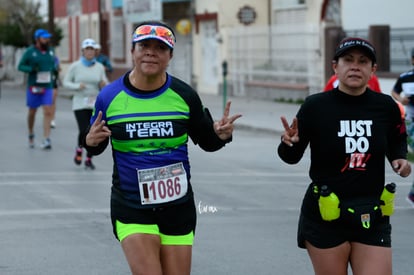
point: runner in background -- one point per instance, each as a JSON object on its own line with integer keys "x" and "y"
{"x": 56, "y": 81}
{"x": 1, "y": 65}
{"x": 85, "y": 77}
{"x": 103, "y": 59}
{"x": 403, "y": 92}
{"x": 38, "y": 61}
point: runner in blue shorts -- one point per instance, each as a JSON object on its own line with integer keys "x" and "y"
{"x": 38, "y": 61}
{"x": 148, "y": 116}
{"x": 34, "y": 100}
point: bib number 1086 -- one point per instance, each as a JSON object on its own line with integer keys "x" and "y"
{"x": 163, "y": 185}
{"x": 162, "y": 189}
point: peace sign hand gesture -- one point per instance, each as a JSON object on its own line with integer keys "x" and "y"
{"x": 291, "y": 134}
{"x": 224, "y": 127}
{"x": 98, "y": 132}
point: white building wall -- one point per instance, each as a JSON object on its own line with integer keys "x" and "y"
{"x": 228, "y": 12}
{"x": 358, "y": 14}
{"x": 227, "y": 19}
{"x": 208, "y": 6}
{"x": 313, "y": 14}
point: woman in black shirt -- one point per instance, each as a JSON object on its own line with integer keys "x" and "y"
{"x": 350, "y": 131}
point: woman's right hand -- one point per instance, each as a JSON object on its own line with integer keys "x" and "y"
{"x": 291, "y": 134}
{"x": 98, "y": 132}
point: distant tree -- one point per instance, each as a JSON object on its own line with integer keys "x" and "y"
{"x": 57, "y": 36}
{"x": 18, "y": 21}
{"x": 10, "y": 35}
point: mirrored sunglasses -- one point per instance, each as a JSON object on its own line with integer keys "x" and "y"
{"x": 158, "y": 32}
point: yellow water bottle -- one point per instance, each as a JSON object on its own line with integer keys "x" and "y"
{"x": 328, "y": 204}
{"x": 387, "y": 199}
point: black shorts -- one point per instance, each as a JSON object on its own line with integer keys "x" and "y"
{"x": 331, "y": 234}
{"x": 176, "y": 219}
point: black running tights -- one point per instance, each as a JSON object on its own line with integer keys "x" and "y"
{"x": 83, "y": 118}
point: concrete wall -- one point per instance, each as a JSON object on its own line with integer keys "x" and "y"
{"x": 357, "y": 14}
{"x": 227, "y": 19}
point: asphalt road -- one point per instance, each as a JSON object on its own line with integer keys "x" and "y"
{"x": 54, "y": 215}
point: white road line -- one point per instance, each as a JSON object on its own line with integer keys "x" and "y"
{"x": 54, "y": 211}
{"x": 54, "y": 182}
{"x": 56, "y": 173}
{"x": 64, "y": 177}
{"x": 219, "y": 209}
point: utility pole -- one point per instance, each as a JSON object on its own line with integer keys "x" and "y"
{"x": 51, "y": 16}
{"x": 225, "y": 71}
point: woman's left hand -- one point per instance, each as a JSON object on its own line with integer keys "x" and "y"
{"x": 402, "y": 167}
{"x": 224, "y": 127}
{"x": 101, "y": 84}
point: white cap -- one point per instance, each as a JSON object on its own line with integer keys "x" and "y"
{"x": 98, "y": 46}
{"x": 88, "y": 42}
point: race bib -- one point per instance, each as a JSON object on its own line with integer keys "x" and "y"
{"x": 37, "y": 90}
{"x": 43, "y": 77}
{"x": 162, "y": 184}
{"x": 89, "y": 101}
{"x": 408, "y": 88}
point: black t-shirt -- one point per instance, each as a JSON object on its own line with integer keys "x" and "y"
{"x": 349, "y": 138}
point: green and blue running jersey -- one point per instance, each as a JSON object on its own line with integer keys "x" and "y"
{"x": 150, "y": 130}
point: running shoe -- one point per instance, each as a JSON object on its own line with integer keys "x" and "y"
{"x": 46, "y": 144}
{"x": 89, "y": 164}
{"x": 53, "y": 124}
{"x": 410, "y": 199}
{"x": 78, "y": 156}
{"x": 31, "y": 141}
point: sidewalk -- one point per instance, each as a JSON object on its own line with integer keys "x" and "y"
{"x": 257, "y": 114}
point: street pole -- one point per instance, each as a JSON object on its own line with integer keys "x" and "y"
{"x": 51, "y": 16}
{"x": 224, "y": 67}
